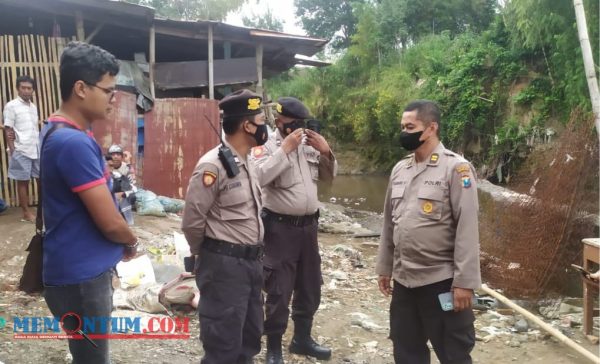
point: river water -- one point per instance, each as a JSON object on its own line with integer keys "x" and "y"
{"x": 367, "y": 193}
{"x": 362, "y": 192}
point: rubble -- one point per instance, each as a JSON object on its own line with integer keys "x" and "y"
{"x": 521, "y": 326}
{"x": 361, "y": 320}
{"x": 332, "y": 220}
{"x": 353, "y": 317}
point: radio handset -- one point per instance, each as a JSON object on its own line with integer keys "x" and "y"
{"x": 226, "y": 156}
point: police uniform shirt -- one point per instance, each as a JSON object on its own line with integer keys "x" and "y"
{"x": 430, "y": 231}
{"x": 289, "y": 181}
{"x": 220, "y": 207}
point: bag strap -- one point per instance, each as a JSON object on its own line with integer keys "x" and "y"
{"x": 39, "y": 218}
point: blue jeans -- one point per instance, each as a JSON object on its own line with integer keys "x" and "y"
{"x": 92, "y": 298}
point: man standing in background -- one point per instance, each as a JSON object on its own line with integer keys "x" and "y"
{"x": 22, "y": 134}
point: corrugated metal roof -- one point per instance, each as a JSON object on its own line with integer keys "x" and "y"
{"x": 199, "y": 29}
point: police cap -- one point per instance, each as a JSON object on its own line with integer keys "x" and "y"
{"x": 292, "y": 107}
{"x": 241, "y": 103}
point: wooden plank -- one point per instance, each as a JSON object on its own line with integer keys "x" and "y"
{"x": 47, "y": 49}
{"x": 30, "y": 72}
{"x": 12, "y": 56}
{"x": 152, "y": 60}
{"x": 22, "y": 64}
{"x": 44, "y": 84}
{"x": 94, "y": 33}
{"x": 40, "y": 85}
{"x": 3, "y": 96}
{"x": 259, "y": 69}
{"x": 79, "y": 26}
{"x": 211, "y": 64}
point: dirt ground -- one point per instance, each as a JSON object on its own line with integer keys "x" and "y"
{"x": 349, "y": 293}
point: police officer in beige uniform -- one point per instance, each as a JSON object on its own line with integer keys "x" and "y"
{"x": 222, "y": 225}
{"x": 430, "y": 244}
{"x": 288, "y": 170}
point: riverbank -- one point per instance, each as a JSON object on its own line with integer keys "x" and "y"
{"x": 352, "y": 319}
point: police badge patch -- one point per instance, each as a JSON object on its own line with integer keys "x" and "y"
{"x": 208, "y": 178}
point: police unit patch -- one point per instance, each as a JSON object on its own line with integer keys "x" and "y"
{"x": 208, "y": 178}
{"x": 427, "y": 207}
{"x": 466, "y": 181}
{"x": 258, "y": 152}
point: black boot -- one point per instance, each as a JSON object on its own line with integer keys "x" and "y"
{"x": 274, "y": 354}
{"x": 303, "y": 344}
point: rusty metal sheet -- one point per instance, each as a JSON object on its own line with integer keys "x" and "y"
{"x": 176, "y": 134}
{"x": 121, "y": 125}
{"x": 173, "y": 75}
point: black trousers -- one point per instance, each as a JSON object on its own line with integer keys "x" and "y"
{"x": 292, "y": 265}
{"x": 92, "y": 298}
{"x": 416, "y": 316}
{"x": 230, "y": 308}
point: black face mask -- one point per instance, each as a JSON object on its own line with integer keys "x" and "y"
{"x": 261, "y": 135}
{"x": 410, "y": 141}
{"x": 293, "y": 125}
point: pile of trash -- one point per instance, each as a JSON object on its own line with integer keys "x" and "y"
{"x": 333, "y": 220}
{"x": 148, "y": 203}
{"x": 157, "y": 282}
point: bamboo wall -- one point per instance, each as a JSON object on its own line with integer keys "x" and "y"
{"x": 36, "y": 56}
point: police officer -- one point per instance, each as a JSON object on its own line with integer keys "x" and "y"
{"x": 289, "y": 166}
{"x": 430, "y": 245}
{"x": 222, "y": 225}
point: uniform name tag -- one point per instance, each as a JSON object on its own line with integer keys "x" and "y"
{"x": 233, "y": 185}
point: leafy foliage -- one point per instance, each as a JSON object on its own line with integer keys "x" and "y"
{"x": 328, "y": 19}
{"x": 498, "y": 74}
{"x": 265, "y": 21}
{"x": 192, "y": 9}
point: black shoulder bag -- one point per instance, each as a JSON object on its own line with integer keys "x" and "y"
{"x": 32, "y": 280}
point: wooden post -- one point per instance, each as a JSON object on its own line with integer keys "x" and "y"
{"x": 211, "y": 64}
{"x": 152, "y": 60}
{"x": 588, "y": 62}
{"x": 536, "y": 320}
{"x": 259, "y": 69}
{"x": 79, "y": 26}
{"x": 226, "y": 55}
{"x": 94, "y": 33}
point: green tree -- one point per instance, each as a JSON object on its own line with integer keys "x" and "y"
{"x": 265, "y": 21}
{"x": 192, "y": 9}
{"x": 547, "y": 29}
{"x": 426, "y": 17}
{"x": 329, "y": 19}
{"x": 500, "y": 75}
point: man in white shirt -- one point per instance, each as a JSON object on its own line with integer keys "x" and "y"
{"x": 22, "y": 132}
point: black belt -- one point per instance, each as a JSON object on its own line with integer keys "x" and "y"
{"x": 249, "y": 252}
{"x": 289, "y": 219}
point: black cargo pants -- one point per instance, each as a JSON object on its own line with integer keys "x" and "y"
{"x": 230, "y": 309}
{"x": 416, "y": 316}
{"x": 292, "y": 265}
